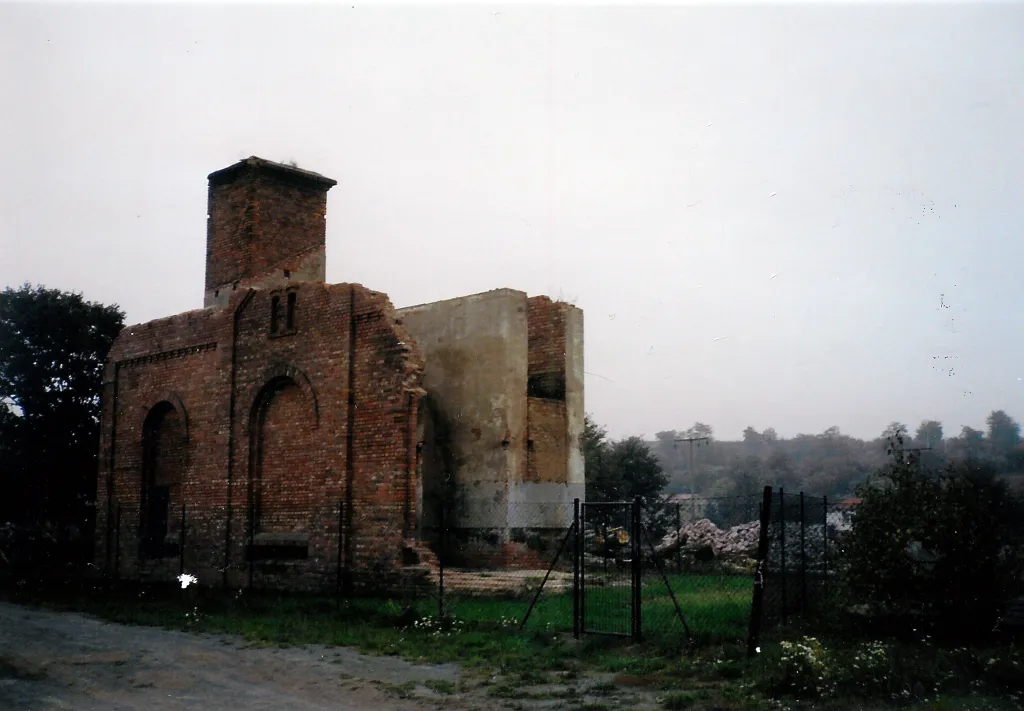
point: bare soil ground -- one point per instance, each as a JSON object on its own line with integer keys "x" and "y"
{"x": 59, "y": 660}
{"x": 54, "y": 660}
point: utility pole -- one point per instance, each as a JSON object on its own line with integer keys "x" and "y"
{"x": 693, "y": 475}
{"x": 912, "y": 449}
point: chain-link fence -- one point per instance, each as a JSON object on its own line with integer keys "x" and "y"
{"x": 496, "y": 573}
{"x": 663, "y": 569}
{"x": 796, "y": 557}
{"x": 707, "y": 547}
{"x": 690, "y": 569}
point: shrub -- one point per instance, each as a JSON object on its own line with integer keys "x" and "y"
{"x": 928, "y": 544}
{"x": 867, "y": 671}
{"x": 799, "y": 669}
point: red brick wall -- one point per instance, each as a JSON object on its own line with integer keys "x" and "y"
{"x": 290, "y": 221}
{"x": 388, "y": 370}
{"x": 546, "y": 324}
{"x": 229, "y": 229}
{"x": 547, "y": 458}
{"x": 177, "y": 360}
{"x": 258, "y": 219}
{"x": 199, "y": 361}
{"x": 285, "y": 484}
{"x": 503, "y": 556}
{"x": 168, "y": 458}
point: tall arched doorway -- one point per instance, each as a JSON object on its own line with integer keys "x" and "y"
{"x": 282, "y": 478}
{"x": 164, "y": 452}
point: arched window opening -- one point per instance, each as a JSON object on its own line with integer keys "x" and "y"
{"x": 282, "y": 486}
{"x": 164, "y": 446}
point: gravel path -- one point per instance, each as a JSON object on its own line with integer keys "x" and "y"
{"x": 51, "y": 660}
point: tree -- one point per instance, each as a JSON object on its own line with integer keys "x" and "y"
{"x": 895, "y": 429}
{"x": 929, "y": 433}
{"x": 622, "y": 470}
{"x": 594, "y": 445}
{"x": 53, "y": 348}
{"x": 972, "y": 442}
{"x": 780, "y": 471}
{"x": 699, "y": 429}
{"x": 934, "y": 545}
{"x": 752, "y": 439}
{"x": 769, "y": 436}
{"x": 1003, "y": 432}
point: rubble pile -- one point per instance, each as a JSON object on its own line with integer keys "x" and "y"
{"x": 703, "y": 539}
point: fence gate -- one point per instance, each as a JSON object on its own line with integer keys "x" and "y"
{"x": 607, "y": 561}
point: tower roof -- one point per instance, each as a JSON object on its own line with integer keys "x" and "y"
{"x": 255, "y": 163}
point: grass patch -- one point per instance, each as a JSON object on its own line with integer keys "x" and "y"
{"x": 405, "y": 690}
{"x": 440, "y": 686}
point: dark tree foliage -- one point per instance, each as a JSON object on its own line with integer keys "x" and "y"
{"x": 1003, "y": 433}
{"x": 595, "y": 446}
{"x": 939, "y": 544}
{"x": 620, "y": 470}
{"x": 53, "y": 347}
{"x": 929, "y": 433}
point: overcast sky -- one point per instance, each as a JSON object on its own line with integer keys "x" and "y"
{"x": 793, "y": 217}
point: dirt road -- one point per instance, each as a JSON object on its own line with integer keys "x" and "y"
{"x": 54, "y": 660}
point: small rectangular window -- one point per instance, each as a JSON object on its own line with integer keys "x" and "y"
{"x": 550, "y": 386}
{"x": 275, "y": 307}
{"x": 290, "y": 320}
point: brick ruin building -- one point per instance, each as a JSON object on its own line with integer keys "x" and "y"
{"x": 303, "y": 430}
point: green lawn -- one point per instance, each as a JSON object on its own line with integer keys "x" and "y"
{"x": 715, "y": 607}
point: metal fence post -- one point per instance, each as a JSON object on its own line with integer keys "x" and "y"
{"x": 757, "y": 602}
{"x": 250, "y": 554}
{"x": 341, "y": 543}
{"x": 803, "y": 558}
{"x": 117, "y": 544}
{"x": 679, "y": 536}
{"x": 637, "y": 572}
{"x": 782, "y": 541}
{"x": 583, "y": 567}
{"x": 442, "y": 549}
{"x": 824, "y": 550}
{"x": 181, "y": 542}
{"x": 577, "y": 554}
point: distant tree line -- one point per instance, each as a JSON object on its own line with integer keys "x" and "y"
{"x": 829, "y": 463}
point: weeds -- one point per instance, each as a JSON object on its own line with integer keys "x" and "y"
{"x": 440, "y": 686}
